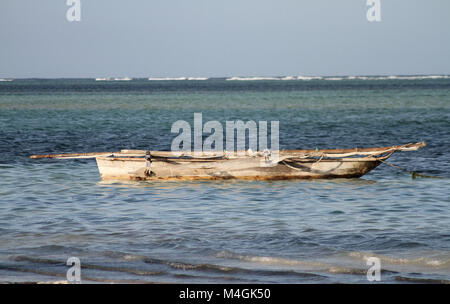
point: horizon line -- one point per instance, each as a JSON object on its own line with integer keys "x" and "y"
{"x": 226, "y": 77}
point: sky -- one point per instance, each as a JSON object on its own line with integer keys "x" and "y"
{"x": 212, "y": 38}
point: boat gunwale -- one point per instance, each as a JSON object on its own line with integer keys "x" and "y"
{"x": 327, "y": 151}
{"x": 303, "y": 160}
{"x": 217, "y": 156}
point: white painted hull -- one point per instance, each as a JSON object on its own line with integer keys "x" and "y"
{"x": 241, "y": 168}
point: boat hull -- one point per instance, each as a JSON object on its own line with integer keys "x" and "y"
{"x": 259, "y": 165}
{"x": 256, "y": 168}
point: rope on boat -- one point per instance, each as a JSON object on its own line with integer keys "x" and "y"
{"x": 414, "y": 174}
{"x": 148, "y": 164}
{"x": 289, "y": 166}
{"x": 320, "y": 158}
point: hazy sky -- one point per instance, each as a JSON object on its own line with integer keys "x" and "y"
{"x": 170, "y": 38}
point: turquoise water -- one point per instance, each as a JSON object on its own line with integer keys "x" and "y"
{"x": 318, "y": 231}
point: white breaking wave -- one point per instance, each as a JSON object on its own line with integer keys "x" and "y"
{"x": 415, "y": 77}
{"x": 390, "y": 77}
{"x": 270, "y": 260}
{"x": 166, "y": 78}
{"x": 251, "y": 78}
{"x": 334, "y": 78}
{"x": 350, "y": 262}
{"x": 113, "y": 79}
{"x": 3, "y": 79}
{"x": 309, "y": 77}
{"x": 288, "y": 78}
{"x": 235, "y": 78}
{"x": 198, "y": 78}
{"x": 441, "y": 260}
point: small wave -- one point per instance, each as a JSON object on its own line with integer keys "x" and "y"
{"x": 390, "y": 77}
{"x": 5, "y": 80}
{"x": 231, "y": 270}
{"x": 274, "y": 78}
{"x": 340, "y": 78}
{"x": 358, "y": 77}
{"x": 131, "y": 257}
{"x": 309, "y": 78}
{"x": 346, "y": 270}
{"x": 415, "y": 77}
{"x": 269, "y": 260}
{"x": 171, "y": 264}
{"x": 334, "y": 78}
{"x": 87, "y": 266}
{"x": 421, "y": 280}
{"x": 113, "y": 79}
{"x": 216, "y": 268}
{"x": 396, "y": 77}
{"x": 167, "y": 78}
{"x": 306, "y": 265}
{"x": 419, "y": 261}
{"x": 63, "y": 275}
{"x": 289, "y": 78}
{"x": 197, "y": 78}
{"x": 251, "y": 78}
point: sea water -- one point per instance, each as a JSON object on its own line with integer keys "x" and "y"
{"x": 305, "y": 231}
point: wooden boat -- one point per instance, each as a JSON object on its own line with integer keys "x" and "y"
{"x": 265, "y": 165}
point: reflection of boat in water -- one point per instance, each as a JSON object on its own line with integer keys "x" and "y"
{"x": 286, "y": 164}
